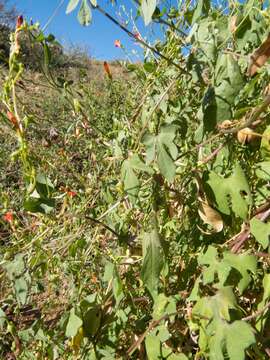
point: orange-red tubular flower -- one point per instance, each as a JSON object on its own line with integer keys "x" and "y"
{"x": 107, "y": 69}
{"x": 19, "y": 21}
{"x": 12, "y": 118}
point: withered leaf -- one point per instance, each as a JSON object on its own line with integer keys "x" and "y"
{"x": 259, "y": 57}
{"x": 210, "y": 216}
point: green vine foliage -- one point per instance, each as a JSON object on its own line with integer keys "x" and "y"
{"x": 163, "y": 250}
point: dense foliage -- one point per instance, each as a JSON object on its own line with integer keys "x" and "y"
{"x": 135, "y": 214}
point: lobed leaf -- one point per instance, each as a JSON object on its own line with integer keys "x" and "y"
{"x": 232, "y": 192}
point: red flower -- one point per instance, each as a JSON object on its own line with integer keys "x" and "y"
{"x": 12, "y": 118}
{"x": 19, "y": 21}
{"x": 8, "y": 217}
{"x": 117, "y": 44}
{"x": 71, "y": 193}
{"x": 107, "y": 69}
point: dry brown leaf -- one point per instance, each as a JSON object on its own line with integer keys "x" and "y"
{"x": 210, "y": 216}
{"x": 259, "y": 57}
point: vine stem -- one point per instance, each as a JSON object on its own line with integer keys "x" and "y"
{"x": 154, "y": 50}
{"x": 257, "y": 313}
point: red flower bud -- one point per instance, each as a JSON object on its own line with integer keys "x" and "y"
{"x": 19, "y": 21}
{"x": 107, "y": 69}
{"x": 12, "y": 118}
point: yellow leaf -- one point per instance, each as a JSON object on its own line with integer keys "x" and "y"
{"x": 76, "y": 341}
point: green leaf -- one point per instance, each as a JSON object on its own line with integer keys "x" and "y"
{"x": 149, "y": 67}
{"x": 219, "y": 99}
{"x": 201, "y": 9}
{"x": 3, "y": 318}
{"x": 215, "y": 307}
{"x": 73, "y": 325}
{"x": 148, "y": 8}
{"x": 215, "y": 266}
{"x": 47, "y": 55}
{"x": 21, "y": 290}
{"x": 16, "y": 267}
{"x": 261, "y": 320}
{"x": 117, "y": 287}
{"x": 91, "y": 320}
{"x": 163, "y": 305}
{"x": 44, "y": 186}
{"x": 218, "y": 337}
{"x": 265, "y": 144}
{"x": 152, "y": 261}
{"x": 261, "y": 231}
{"x": 129, "y": 177}
{"x": 72, "y": 5}
{"x": 234, "y": 190}
{"x": 266, "y": 288}
{"x": 239, "y": 336}
{"x": 139, "y": 165}
{"x": 177, "y": 357}
{"x": 243, "y": 263}
{"x": 111, "y": 274}
{"x": 202, "y": 34}
{"x": 40, "y": 199}
{"x": 44, "y": 206}
{"x": 263, "y": 170}
{"x": 84, "y": 14}
{"x": 162, "y": 333}
{"x": 234, "y": 338}
{"x": 162, "y": 149}
{"x": 18, "y": 274}
{"x": 152, "y": 344}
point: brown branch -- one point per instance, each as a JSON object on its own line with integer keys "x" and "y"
{"x": 152, "y": 325}
{"x": 196, "y": 147}
{"x": 252, "y": 118}
{"x": 212, "y": 155}
{"x": 142, "y": 42}
{"x": 261, "y": 213}
{"x": 262, "y": 208}
{"x": 257, "y": 313}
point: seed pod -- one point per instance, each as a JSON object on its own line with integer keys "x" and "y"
{"x": 245, "y": 136}
{"x": 225, "y": 124}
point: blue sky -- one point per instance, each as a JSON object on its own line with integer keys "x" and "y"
{"x": 97, "y": 39}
